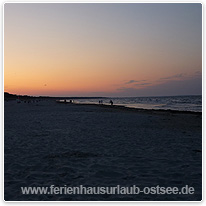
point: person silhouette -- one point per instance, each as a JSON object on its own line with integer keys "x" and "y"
{"x": 111, "y": 102}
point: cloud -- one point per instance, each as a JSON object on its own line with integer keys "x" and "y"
{"x": 131, "y": 81}
{"x": 181, "y": 76}
{"x": 177, "y": 76}
{"x": 143, "y": 84}
{"x": 184, "y": 86}
{"x": 178, "y": 84}
{"x": 134, "y": 81}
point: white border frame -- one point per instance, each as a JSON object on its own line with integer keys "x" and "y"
{"x": 203, "y": 102}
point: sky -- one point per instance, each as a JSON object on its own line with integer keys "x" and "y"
{"x": 116, "y": 50}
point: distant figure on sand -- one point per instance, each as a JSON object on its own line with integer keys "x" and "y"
{"x": 100, "y": 102}
{"x": 18, "y": 101}
{"x": 111, "y": 102}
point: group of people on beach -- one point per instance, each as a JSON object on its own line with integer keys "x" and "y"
{"x": 27, "y": 101}
{"x": 65, "y": 101}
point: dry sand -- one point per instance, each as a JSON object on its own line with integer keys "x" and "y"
{"x": 47, "y": 143}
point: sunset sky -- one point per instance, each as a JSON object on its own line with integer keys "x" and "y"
{"x": 102, "y": 49}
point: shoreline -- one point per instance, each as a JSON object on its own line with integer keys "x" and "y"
{"x": 125, "y": 108}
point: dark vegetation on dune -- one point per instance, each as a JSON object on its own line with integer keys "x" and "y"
{"x": 8, "y": 96}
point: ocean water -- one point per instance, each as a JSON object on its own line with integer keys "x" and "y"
{"x": 180, "y": 103}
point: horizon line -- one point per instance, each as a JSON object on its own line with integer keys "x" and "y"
{"x": 101, "y": 96}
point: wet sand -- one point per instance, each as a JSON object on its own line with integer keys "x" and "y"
{"x": 49, "y": 143}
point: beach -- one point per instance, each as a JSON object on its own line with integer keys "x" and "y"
{"x": 49, "y": 143}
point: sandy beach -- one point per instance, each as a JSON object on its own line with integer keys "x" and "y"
{"x": 49, "y": 143}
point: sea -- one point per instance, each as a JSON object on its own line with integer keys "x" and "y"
{"x": 181, "y": 103}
